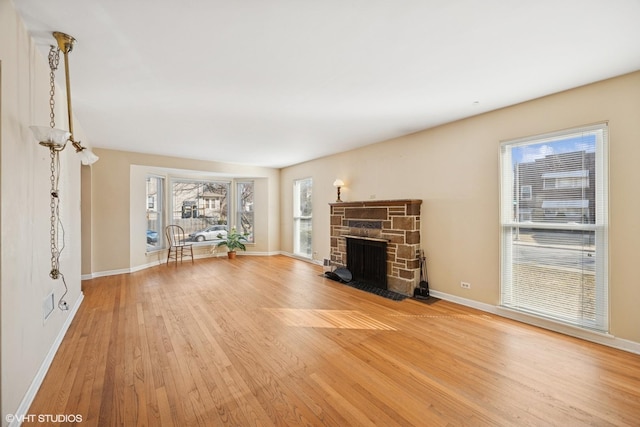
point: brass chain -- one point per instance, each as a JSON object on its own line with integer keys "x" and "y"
{"x": 55, "y": 212}
{"x": 54, "y": 61}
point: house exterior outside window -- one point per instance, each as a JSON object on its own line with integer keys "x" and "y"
{"x": 197, "y": 205}
{"x": 558, "y": 187}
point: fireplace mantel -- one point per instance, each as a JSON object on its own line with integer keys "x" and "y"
{"x": 396, "y": 222}
{"x": 366, "y": 203}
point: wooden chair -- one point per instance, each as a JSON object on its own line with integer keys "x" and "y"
{"x": 177, "y": 245}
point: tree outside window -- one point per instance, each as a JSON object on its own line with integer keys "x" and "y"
{"x": 197, "y": 205}
{"x": 245, "y": 219}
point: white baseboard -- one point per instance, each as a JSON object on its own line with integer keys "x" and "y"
{"x": 257, "y": 253}
{"x": 312, "y": 261}
{"x": 163, "y": 261}
{"x": 106, "y": 273}
{"x": 27, "y": 400}
{"x": 593, "y": 336}
{"x": 464, "y": 301}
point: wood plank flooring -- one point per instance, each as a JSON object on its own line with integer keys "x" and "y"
{"x": 262, "y": 341}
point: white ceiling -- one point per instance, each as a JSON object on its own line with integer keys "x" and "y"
{"x": 278, "y": 82}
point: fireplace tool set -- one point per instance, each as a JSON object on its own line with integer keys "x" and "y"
{"x": 422, "y": 291}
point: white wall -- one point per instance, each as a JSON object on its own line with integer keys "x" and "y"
{"x": 26, "y": 339}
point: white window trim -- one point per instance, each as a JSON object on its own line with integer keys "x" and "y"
{"x": 600, "y": 227}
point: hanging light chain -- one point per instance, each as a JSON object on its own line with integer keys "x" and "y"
{"x": 54, "y": 61}
{"x": 55, "y": 215}
{"x": 56, "y": 233}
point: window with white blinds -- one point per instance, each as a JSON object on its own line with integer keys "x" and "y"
{"x": 554, "y": 226}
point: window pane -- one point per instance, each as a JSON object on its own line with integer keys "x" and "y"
{"x": 304, "y": 237}
{"x": 245, "y": 213}
{"x": 154, "y": 212}
{"x": 554, "y": 232}
{"x": 201, "y": 208}
{"x": 302, "y": 217}
{"x": 553, "y": 273}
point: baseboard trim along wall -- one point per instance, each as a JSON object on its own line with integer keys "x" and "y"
{"x": 27, "y": 400}
{"x": 312, "y": 261}
{"x": 163, "y": 261}
{"x": 592, "y": 336}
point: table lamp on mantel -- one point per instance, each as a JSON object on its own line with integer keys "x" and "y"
{"x": 338, "y": 183}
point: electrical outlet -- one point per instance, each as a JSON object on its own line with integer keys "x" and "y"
{"x": 465, "y": 285}
{"x": 47, "y": 306}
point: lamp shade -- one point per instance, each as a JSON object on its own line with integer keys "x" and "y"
{"x": 50, "y": 136}
{"x": 338, "y": 183}
{"x": 87, "y": 157}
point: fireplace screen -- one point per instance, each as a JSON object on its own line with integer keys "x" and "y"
{"x": 367, "y": 261}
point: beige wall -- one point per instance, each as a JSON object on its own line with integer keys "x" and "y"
{"x": 25, "y": 262}
{"x": 454, "y": 169}
{"x": 117, "y": 207}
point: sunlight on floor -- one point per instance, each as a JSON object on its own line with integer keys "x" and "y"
{"x": 311, "y": 318}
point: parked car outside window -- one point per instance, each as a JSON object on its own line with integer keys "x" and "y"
{"x": 152, "y": 237}
{"x": 209, "y": 233}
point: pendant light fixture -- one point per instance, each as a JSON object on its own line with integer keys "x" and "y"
{"x": 56, "y": 140}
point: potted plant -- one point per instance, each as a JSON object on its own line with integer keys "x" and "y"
{"x": 233, "y": 240}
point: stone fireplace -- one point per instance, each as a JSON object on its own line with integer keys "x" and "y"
{"x": 396, "y": 222}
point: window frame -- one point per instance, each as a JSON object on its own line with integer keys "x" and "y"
{"x": 157, "y": 209}
{"x": 512, "y": 224}
{"x": 197, "y": 209}
{"x": 240, "y": 207}
{"x": 298, "y": 218}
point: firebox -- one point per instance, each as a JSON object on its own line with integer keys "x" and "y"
{"x": 367, "y": 260}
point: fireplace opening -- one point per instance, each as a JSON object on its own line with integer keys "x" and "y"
{"x": 367, "y": 260}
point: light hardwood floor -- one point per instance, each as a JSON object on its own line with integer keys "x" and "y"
{"x": 268, "y": 341}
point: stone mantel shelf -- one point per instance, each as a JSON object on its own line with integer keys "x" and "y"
{"x": 351, "y": 236}
{"x": 365, "y": 203}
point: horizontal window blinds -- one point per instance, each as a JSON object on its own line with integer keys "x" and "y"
{"x": 554, "y": 226}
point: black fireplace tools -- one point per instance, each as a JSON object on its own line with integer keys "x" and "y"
{"x": 422, "y": 291}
